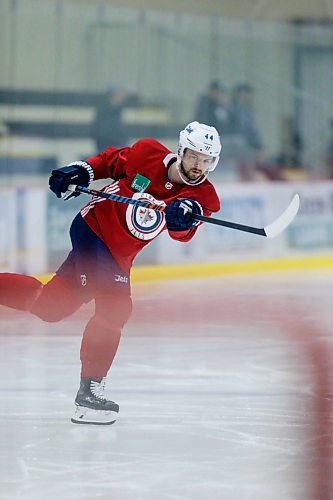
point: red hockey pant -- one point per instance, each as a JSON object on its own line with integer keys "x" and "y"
{"x": 55, "y": 300}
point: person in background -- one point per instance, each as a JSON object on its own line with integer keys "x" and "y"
{"x": 108, "y": 126}
{"x": 242, "y": 116}
{"x": 106, "y": 237}
{"x": 242, "y": 123}
{"x": 213, "y": 107}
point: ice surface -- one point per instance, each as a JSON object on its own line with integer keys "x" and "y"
{"x": 225, "y": 392}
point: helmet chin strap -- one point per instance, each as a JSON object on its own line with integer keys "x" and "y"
{"x": 184, "y": 178}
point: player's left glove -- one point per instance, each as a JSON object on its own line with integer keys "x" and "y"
{"x": 78, "y": 172}
{"x": 179, "y": 214}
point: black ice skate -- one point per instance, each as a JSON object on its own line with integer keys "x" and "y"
{"x": 91, "y": 405}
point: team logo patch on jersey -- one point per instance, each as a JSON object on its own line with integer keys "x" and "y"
{"x": 142, "y": 222}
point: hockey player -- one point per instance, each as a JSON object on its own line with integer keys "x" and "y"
{"x": 106, "y": 236}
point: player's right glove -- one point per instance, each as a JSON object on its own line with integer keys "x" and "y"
{"x": 79, "y": 173}
{"x": 178, "y": 214}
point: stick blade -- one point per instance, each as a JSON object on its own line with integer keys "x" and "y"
{"x": 285, "y": 218}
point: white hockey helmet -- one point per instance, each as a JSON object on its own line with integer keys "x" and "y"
{"x": 201, "y": 138}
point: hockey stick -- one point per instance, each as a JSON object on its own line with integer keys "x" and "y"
{"x": 269, "y": 231}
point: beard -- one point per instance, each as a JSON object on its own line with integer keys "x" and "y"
{"x": 189, "y": 175}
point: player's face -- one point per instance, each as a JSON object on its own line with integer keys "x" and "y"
{"x": 194, "y": 164}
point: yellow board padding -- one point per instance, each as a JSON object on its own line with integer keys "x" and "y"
{"x": 142, "y": 274}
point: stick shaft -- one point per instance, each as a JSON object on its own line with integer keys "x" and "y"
{"x": 119, "y": 198}
{"x": 161, "y": 208}
{"x": 231, "y": 225}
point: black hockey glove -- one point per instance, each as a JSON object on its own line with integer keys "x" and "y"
{"x": 178, "y": 214}
{"x": 79, "y": 173}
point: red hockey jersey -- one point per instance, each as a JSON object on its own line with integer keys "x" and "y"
{"x": 126, "y": 229}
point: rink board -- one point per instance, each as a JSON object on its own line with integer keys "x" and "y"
{"x": 35, "y": 224}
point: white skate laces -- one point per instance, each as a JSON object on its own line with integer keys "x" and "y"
{"x": 98, "y": 389}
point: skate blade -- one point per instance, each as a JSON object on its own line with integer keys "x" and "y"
{"x": 84, "y": 415}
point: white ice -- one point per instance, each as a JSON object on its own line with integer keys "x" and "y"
{"x": 224, "y": 387}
